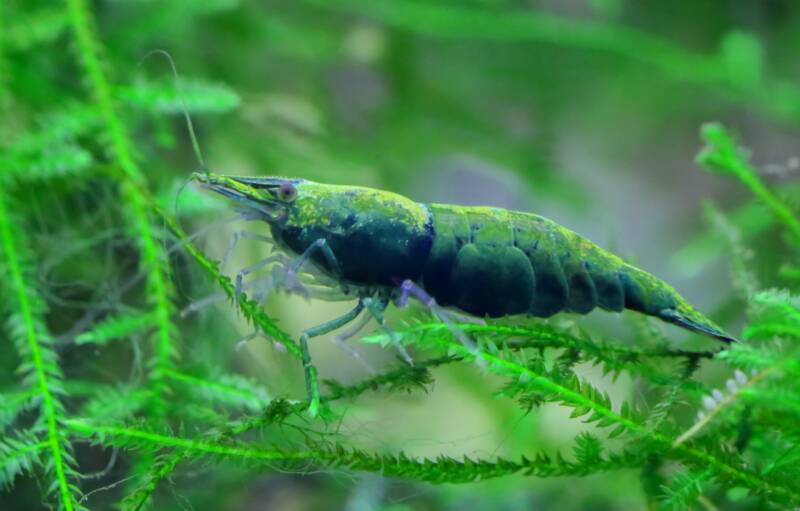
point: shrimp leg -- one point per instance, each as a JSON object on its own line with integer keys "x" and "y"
{"x": 312, "y": 383}
{"x": 376, "y": 307}
{"x": 409, "y": 289}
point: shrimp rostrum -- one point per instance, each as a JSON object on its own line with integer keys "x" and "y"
{"x": 379, "y": 247}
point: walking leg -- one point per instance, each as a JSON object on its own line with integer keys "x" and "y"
{"x": 310, "y": 372}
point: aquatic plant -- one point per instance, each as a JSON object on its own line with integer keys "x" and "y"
{"x": 109, "y": 396}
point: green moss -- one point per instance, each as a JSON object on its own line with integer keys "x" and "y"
{"x": 316, "y": 200}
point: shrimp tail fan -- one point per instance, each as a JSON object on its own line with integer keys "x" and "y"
{"x": 693, "y": 320}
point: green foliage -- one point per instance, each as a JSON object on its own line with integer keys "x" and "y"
{"x": 18, "y": 455}
{"x": 724, "y": 156}
{"x": 113, "y": 398}
{"x": 226, "y": 389}
{"x": 39, "y": 369}
{"x": 117, "y": 327}
{"x": 684, "y": 490}
{"x": 166, "y": 97}
{"x": 52, "y": 150}
{"x": 735, "y": 67}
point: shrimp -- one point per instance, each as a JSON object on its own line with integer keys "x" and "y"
{"x": 380, "y": 247}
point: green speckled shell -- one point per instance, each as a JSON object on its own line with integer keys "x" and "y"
{"x": 485, "y": 261}
{"x": 490, "y": 261}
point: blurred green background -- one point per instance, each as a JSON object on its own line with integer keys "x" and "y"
{"x": 585, "y": 111}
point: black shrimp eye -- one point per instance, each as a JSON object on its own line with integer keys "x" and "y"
{"x": 287, "y": 192}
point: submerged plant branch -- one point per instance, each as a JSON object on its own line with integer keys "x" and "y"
{"x": 26, "y": 324}
{"x": 251, "y": 309}
{"x": 403, "y": 377}
{"x": 544, "y": 336}
{"x": 152, "y": 440}
{"x": 279, "y": 410}
{"x": 744, "y": 279}
{"x": 723, "y": 155}
{"x": 227, "y": 389}
{"x": 578, "y": 347}
{"x": 440, "y": 470}
{"x": 721, "y": 405}
{"x": 586, "y": 401}
{"x": 154, "y": 260}
{"x": 18, "y": 455}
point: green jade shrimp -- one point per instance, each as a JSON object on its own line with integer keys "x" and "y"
{"x": 379, "y": 247}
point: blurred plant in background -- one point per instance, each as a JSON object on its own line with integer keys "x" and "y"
{"x": 118, "y": 388}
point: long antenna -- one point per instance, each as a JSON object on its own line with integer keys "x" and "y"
{"x": 195, "y": 145}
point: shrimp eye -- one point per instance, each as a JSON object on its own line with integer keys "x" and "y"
{"x": 287, "y": 192}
